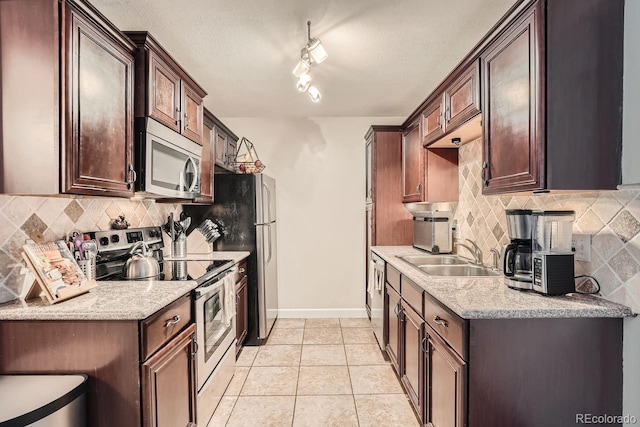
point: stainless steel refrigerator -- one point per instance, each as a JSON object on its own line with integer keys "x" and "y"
{"x": 246, "y": 205}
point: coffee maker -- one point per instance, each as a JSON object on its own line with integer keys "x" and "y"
{"x": 516, "y": 256}
{"x": 552, "y": 258}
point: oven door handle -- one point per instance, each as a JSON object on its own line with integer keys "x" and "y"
{"x": 204, "y": 290}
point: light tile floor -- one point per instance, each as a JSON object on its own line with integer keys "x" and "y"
{"x": 315, "y": 372}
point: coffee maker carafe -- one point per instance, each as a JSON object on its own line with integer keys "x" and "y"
{"x": 552, "y": 257}
{"x": 516, "y": 256}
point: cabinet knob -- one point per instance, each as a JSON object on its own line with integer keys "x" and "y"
{"x": 440, "y": 321}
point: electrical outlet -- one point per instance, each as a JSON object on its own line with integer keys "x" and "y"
{"x": 581, "y": 247}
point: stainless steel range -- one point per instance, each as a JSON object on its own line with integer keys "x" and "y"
{"x": 213, "y": 304}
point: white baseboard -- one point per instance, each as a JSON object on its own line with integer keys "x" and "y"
{"x": 321, "y": 313}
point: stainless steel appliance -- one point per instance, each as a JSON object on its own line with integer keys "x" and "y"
{"x": 213, "y": 303}
{"x": 167, "y": 162}
{"x": 246, "y": 207}
{"x": 553, "y": 266}
{"x": 376, "y": 291}
{"x": 516, "y": 256}
{"x": 432, "y": 231}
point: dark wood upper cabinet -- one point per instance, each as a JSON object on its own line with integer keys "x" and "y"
{"x": 412, "y": 164}
{"x": 462, "y": 98}
{"x": 226, "y": 143}
{"x": 513, "y": 153}
{"x": 99, "y": 120}
{"x": 164, "y": 90}
{"x": 552, "y": 99}
{"x": 67, "y": 95}
{"x": 432, "y": 121}
{"x": 206, "y": 162}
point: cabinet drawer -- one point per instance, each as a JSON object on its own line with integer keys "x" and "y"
{"x": 447, "y": 324}
{"x": 159, "y": 328}
{"x": 393, "y": 278}
{"x": 412, "y": 294}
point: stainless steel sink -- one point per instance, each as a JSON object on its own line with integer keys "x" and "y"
{"x": 459, "y": 271}
{"x": 433, "y": 260}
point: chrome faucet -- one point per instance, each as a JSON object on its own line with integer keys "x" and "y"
{"x": 496, "y": 257}
{"x": 474, "y": 249}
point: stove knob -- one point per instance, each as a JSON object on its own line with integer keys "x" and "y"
{"x": 115, "y": 238}
{"x": 153, "y": 233}
{"x": 104, "y": 241}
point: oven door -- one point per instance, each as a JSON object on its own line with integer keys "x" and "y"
{"x": 214, "y": 335}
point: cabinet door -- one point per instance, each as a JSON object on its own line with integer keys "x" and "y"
{"x": 206, "y": 165}
{"x": 413, "y": 358}
{"x": 192, "y": 114}
{"x": 98, "y": 138}
{"x": 368, "y": 167}
{"x": 169, "y": 383}
{"x": 221, "y": 147}
{"x": 394, "y": 316}
{"x": 513, "y": 154}
{"x": 164, "y": 93}
{"x": 462, "y": 98}
{"x": 232, "y": 148}
{"x": 432, "y": 122}
{"x": 445, "y": 383}
{"x": 242, "y": 313}
{"x": 412, "y": 165}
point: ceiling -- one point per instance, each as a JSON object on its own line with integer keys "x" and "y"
{"x": 385, "y": 56}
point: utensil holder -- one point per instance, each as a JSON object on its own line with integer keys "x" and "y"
{"x": 88, "y": 267}
{"x": 179, "y": 247}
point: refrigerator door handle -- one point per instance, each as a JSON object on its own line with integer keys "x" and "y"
{"x": 269, "y": 234}
{"x": 268, "y": 210}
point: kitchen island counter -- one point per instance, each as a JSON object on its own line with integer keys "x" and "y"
{"x": 490, "y": 298}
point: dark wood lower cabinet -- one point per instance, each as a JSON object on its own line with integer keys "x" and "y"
{"x": 445, "y": 380}
{"x": 242, "y": 313}
{"x": 169, "y": 383}
{"x": 413, "y": 367}
{"x": 394, "y": 322}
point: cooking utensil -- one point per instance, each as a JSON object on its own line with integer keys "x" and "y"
{"x": 141, "y": 264}
{"x": 90, "y": 249}
{"x": 77, "y": 242}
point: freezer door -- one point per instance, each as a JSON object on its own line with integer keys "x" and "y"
{"x": 266, "y": 199}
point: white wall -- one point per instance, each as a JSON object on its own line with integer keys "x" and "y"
{"x": 318, "y": 163}
{"x": 631, "y": 97}
{"x": 631, "y": 175}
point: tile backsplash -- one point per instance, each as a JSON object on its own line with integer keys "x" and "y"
{"x": 612, "y": 217}
{"x": 55, "y": 217}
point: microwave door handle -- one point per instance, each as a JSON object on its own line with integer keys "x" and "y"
{"x": 195, "y": 173}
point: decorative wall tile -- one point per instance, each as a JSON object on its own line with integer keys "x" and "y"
{"x": 612, "y": 217}
{"x": 55, "y": 217}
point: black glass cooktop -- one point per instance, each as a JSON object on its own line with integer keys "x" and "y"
{"x": 199, "y": 270}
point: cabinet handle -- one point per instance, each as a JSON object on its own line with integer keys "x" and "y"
{"x": 172, "y": 322}
{"x": 485, "y": 170}
{"x": 425, "y": 341}
{"x": 132, "y": 171}
{"x": 241, "y": 270}
{"x": 419, "y": 188}
{"x": 195, "y": 349}
{"x": 447, "y": 114}
{"x": 440, "y": 321}
{"x": 186, "y": 121}
{"x": 176, "y": 116}
{"x": 370, "y": 192}
{"x": 395, "y": 310}
{"x": 440, "y": 121}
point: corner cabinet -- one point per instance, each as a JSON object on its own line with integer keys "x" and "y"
{"x": 226, "y": 146}
{"x": 412, "y": 164}
{"x": 547, "y": 124}
{"x": 164, "y": 90}
{"x": 207, "y": 161}
{"x": 72, "y": 71}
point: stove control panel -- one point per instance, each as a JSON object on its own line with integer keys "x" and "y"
{"x": 114, "y": 240}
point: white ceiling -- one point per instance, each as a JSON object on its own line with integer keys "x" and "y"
{"x": 385, "y": 56}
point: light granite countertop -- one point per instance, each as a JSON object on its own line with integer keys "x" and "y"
{"x": 490, "y": 298}
{"x": 113, "y": 300}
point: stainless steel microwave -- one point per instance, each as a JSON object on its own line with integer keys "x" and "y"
{"x": 168, "y": 164}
